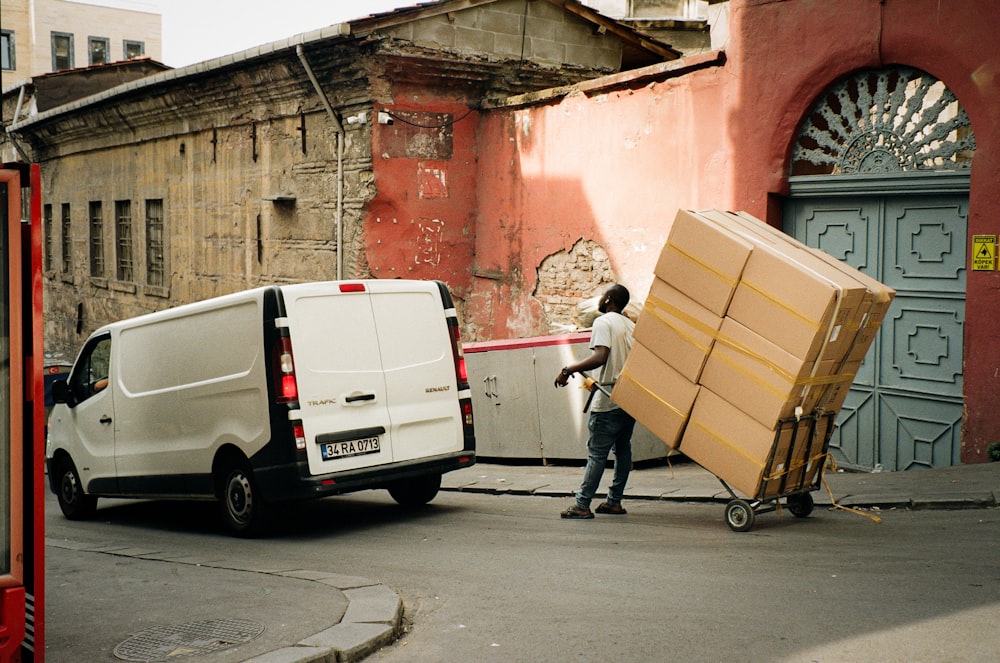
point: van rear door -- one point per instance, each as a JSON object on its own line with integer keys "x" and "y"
{"x": 419, "y": 365}
{"x": 338, "y": 369}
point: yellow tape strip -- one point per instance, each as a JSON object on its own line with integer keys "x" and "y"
{"x": 739, "y": 451}
{"x": 812, "y": 324}
{"x": 833, "y": 466}
{"x": 627, "y": 376}
{"x": 725, "y": 278}
{"x": 655, "y": 306}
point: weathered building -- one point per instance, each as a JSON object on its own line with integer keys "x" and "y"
{"x": 869, "y": 129}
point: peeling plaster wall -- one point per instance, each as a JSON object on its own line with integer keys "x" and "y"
{"x": 612, "y": 170}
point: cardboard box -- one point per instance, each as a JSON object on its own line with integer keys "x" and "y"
{"x": 795, "y": 306}
{"x": 760, "y": 378}
{"x": 756, "y": 460}
{"x": 852, "y": 300}
{"x": 882, "y": 297}
{"x": 727, "y": 442}
{"x": 834, "y": 392}
{"x": 677, "y": 329}
{"x": 703, "y": 260}
{"x": 656, "y": 395}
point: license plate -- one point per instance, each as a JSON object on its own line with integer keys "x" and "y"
{"x": 346, "y": 448}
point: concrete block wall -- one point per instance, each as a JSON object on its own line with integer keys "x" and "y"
{"x": 537, "y": 31}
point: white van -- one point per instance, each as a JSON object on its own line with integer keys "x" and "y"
{"x": 265, "y": 396}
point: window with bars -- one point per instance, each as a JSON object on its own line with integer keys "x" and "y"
{"x": 66, "y": 240}
{"x": 96, "y": 239}
{"x": 123, "y": 241}
{"x": 155, "y": 248}
{"x": 47, "y": 239}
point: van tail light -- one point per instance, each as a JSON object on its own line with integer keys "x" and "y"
{"x": 300, "y": 435}
{"x": 288, "y": 389}
{"x": 467, "y": 413}
{"x": 461, "y": 372}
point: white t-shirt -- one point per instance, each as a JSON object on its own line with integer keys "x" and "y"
{"x": 613, "y": 331}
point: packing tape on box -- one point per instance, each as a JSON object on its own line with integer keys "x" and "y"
{"x": 625, "y": 375}
{"x": 725, "y": 278}
{"x": 791, "y": 310}
{"x": 654, "y": 305}
{"x": 738, "y": 450}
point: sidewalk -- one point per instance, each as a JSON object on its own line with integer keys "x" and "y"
{"x": 963, "y": 486}
{"x": 332, "y": 617}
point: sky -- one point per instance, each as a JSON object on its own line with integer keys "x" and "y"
{"x": 198, "y": 30}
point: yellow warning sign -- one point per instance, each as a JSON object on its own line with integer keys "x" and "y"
{"x": 984, "y": 253}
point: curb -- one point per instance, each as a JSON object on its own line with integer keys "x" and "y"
{"x": 373, "y": 618}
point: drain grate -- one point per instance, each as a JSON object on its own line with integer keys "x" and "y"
{"x": 165, "y": 643}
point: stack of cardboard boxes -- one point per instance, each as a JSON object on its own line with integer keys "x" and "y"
{"x": 746, "y": 336}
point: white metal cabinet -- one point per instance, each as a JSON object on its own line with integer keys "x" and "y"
{"x": 518, "y": 411}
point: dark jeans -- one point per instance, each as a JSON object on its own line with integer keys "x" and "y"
{"x": 609, "y": 431}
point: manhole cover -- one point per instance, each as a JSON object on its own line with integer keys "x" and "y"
{"x": 165, "y": 643}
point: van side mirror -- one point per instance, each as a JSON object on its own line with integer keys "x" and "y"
{"x": 61, "y": 393}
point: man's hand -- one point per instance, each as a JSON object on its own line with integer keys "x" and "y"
{"x": 562, "y": 378}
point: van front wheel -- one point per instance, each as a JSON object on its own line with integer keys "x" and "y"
{"x": 417, "y": 491}
{"x": 75, "y": 504}
{"x": 242, "y": 508}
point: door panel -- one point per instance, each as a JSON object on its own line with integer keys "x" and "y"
{"x": 905, "y": 406}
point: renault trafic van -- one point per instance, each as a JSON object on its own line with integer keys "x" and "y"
{"x": 266, "y": 396}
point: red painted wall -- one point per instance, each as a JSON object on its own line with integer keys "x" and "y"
{"x": 613, "y": 168}
{"x": 421, "y": 223}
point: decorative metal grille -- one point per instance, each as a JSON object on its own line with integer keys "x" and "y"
{"x": 890, "y": 120}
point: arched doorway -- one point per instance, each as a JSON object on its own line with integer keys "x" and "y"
{"x": 880, "y": 179}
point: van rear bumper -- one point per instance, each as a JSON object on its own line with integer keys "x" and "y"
{"x": 290, "y": 482}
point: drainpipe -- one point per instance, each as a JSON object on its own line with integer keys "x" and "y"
{"x": 339, "y": 128}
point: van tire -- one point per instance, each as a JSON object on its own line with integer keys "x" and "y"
{"x": 243, "y": 510}
{"x": 417, "y": 491}
{"x": 75, "y": 504}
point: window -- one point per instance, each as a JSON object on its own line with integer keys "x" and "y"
{"x": 96, "y": 239}
{"x": 47, "y": 241}
{"x": 134, "y": 49}
{"x": 91, "y": 371}
{"x": 66, "y": 241}
{"x": 99, "y": 47}
{"x": 62, "y": 51}
{"x": 123, "y": 240}
{"x": 7, "y": 62}
{"x": 155, "y": 263}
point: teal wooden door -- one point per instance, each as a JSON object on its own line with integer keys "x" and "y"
{"x": 904, "y": 410}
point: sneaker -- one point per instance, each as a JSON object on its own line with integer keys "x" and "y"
{"x": 613, "y": 509}
{"x": 577, "y": 513}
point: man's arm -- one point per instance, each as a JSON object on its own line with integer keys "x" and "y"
{"x": 598, "y": 357}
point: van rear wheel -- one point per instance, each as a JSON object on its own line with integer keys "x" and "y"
{"x": 243, "y": 510}
{"x": 417, "y": 491}
{"x": 75, "y": 504}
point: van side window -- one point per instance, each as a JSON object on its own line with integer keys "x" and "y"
{"x": 92, "y": 370}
